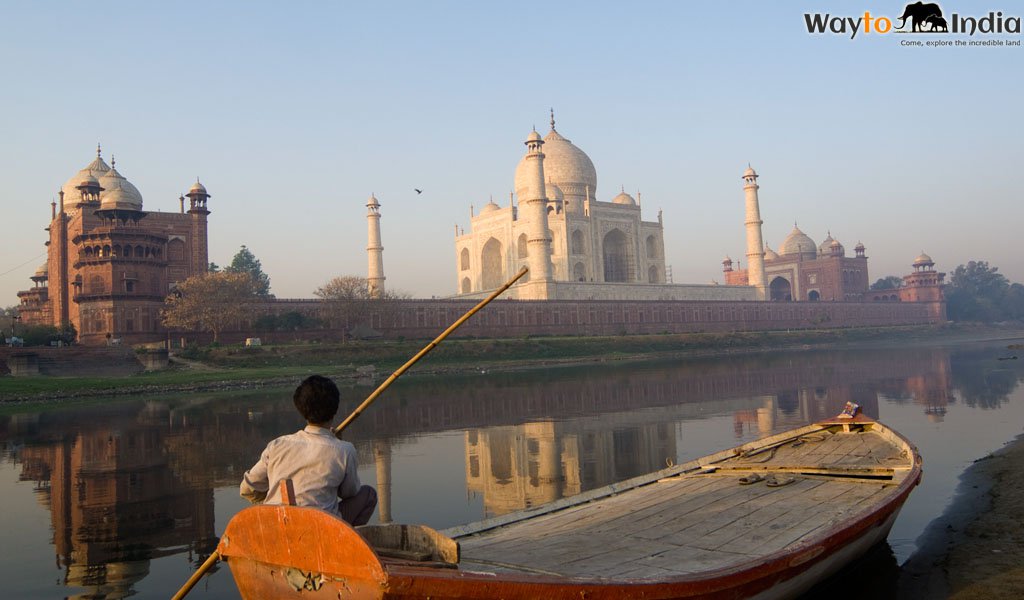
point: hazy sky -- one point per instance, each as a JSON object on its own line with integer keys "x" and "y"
{"x": 293, "y": 113}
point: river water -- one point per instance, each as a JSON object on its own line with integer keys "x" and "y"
{"x": 126, "y": 497}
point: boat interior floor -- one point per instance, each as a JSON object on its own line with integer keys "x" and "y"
{"x": 702, "y": 520}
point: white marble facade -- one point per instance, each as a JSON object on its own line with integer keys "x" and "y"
{"x": 598, "y": 249}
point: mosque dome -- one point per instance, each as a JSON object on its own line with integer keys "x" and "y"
{"x": 118, "y": 193}
{"x": 197, "y": 188}
{"x": 489, "y": 208}
{"x": 93, "y": 171}
{"x": 923, "y": 260}
{"x": 42, "y": 272}
{"x": 749, "y": 172}
{"x": 797, "y": 243}
{"x": 826, "y": 245}
{"x": 565, "y": 165}
{"x": 624, "y": 198}
{"x": 770, "y": 254}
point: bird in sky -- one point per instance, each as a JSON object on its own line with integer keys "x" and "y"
{"x": 418, "y": 191}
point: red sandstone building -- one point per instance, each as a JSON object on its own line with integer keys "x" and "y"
{"x": 803, "y": 271}
{"x": 110, "y": 264}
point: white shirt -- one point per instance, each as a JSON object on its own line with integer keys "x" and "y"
{"x": 321, "y": 468}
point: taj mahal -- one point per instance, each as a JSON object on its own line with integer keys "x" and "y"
{"x": 577, "y": 246}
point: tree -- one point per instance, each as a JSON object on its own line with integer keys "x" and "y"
{"x": 977, "y": 292}
{"x": 347, "y": 302}
{"x": 246, "y": 262}
{"x": 890, "y": 282}
{"x": 977, "y": 278}
{"x": 8, "y": 317}
{"x": 213, "y": 267}
{"x": 210, "y": 302}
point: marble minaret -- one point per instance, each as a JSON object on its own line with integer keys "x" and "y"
{"x": 374, "y": 250}
{"x": 755, "y": 245}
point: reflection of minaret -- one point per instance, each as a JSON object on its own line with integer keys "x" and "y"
{"x": 766, "y": 416}
{"x": 374, "y": 250}
{"x": 931, "y": 388}
{"x": 382, "y": 462}
{"x": 755, "y": 245}
{"x": 543, "y": 466}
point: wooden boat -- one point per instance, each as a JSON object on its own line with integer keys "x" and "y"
{"x": 767, "y": 519}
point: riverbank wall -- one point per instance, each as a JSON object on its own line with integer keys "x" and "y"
{"x": 514, "y": 318}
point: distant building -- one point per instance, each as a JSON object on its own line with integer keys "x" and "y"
{"x": 803, "y": 270}
{"x": 110, "y": 264}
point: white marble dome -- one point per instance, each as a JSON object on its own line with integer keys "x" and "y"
{"x": 770, "y": 254}
{"x": 118, "y": 193}
{"x": 198, "y": 188}
{"x": 624, "y": 198}
{"x": 797, "y": 243}
{"x": 923, "y": 260}
{"x": 42, "y": 272}
{"x": 94, "y": 170}
{"x": 565, "y": 165}
{"x": 489, "y": 208}
{"x": 553, "y": 192}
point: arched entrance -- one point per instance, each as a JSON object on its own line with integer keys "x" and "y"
{"x": 813, "y": 296}
{"x": 652, "y": 275}
{"x": 617, "y": 263}
{"x": 491, "y": 274}
{"x": 780, "y": 290}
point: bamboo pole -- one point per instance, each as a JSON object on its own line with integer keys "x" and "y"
{"x": 387, "y": 382}
{"x": 194, "y": 579}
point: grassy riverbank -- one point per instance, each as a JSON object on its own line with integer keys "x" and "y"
{"x": 230, "y": 367}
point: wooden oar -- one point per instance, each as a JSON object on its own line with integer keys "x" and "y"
{"x": 194, "y": 579}
{"x": 387, "y": 382}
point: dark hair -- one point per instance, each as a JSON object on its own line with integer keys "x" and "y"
{"x": 317, "y": 399}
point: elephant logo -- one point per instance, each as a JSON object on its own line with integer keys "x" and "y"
{"x": 921, "y": 14}
{"x": 937, "y": 22}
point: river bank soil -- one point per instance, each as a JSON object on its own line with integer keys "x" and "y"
{"x": 975, "y": 550}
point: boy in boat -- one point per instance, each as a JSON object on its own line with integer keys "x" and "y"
{"x": 323, "y": 469}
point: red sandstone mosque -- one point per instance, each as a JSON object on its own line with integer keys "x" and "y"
{"x": 804, "y": 271}
{"x": 110, "y": 264}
